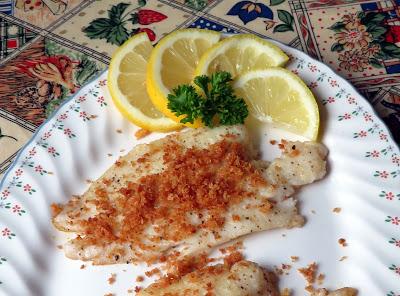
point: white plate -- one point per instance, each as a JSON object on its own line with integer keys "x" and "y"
{"x": 87, "y": 134}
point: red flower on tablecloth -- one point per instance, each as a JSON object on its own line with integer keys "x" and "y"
{"x": 18, "y": 172}
{"x": 353, "y": 61}
{"x": 393, "y": 34}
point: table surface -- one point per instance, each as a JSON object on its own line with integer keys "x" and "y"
{"x": 50, "y": 48}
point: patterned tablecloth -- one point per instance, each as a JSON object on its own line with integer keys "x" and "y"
{"x": 50, "y": 48}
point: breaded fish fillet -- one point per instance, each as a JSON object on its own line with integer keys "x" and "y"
{"x": 186, "y": 193}
{"x": 244, "y": 278}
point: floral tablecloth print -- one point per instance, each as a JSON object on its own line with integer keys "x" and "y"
{"x": 50, "y": 48}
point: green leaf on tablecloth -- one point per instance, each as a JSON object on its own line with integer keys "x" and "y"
{"x": 285, "y": 17}
{"x": 390, "y": 49}
{"x": 337, "y": 47}
{"x": 337, "y": 27}
{"x": 86, "y": 71}
{"x": 118, "y": 35}
{"x": 116, "y": 12}
{"x": 141, "y": 3}
{"x": 134, "y": 19}
{"x": 276, "y": 2}
{"x": 376, "y": 31}
{"x": 196, "y": 4}
{"x": 99, "y": 28}
{"x": 282, "y": 28}
{"x": 381, "y": 55}
{"x": 375, "y": 63}
{"x": 373, "y": 18}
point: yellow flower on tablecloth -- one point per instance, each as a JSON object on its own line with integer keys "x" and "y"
{"x": 353, "y": 61}
{"x": 355, "y": 35}
{"x": 351, "y": 18}
{"x": 372, "y": 50}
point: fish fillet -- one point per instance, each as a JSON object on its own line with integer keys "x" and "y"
{"x": 186, "y": 193}
{"x": 243, "y": 278}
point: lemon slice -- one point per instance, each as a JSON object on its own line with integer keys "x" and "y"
{"x": 241, "y": 53}
{"x": 172, "y": 63}
{"x": 279, "y": 96}
{"x": 126, "y": 83}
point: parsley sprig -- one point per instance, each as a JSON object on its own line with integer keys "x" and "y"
{"x": 217, "y": 104}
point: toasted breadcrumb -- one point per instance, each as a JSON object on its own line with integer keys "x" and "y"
{"x": 286, "y": 292}
{"x": 313, "y": 211}
{"x": 83, "y": 266}
{"x": 88, "y": 181}
{"x": 139, "y": 278}
{"x": 112, "y": 279}
{"x": 130, "y": 291}
{"x": 294, "y": 258}
{"x": 94, "y": 116}
{"x": 109, "y": 294}
{"x": 152, "y": 272}
{"x": 55, "y": 209}
{"x": 142, "y": 133}
{"x": 309, "y": 272}
{"x": 119, "y": 131}
{"x": 309, "y": 289}
{"x": 337, "y": 210}
{"x": 320, "y": 279}
{"x": 283, "y": 270}
{"x": 109, "y": 154}
{"x": 137, "y": 289}
{"x": 59, "y": 247}
{"x": 342, "y": 242}
{"x": 272, "y": 142}
{"x": 343, "y": 258}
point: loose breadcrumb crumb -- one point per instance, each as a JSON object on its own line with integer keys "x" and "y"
{"x": 109, "y": 294}
{"x": 283, "y": 270}
{"x": 139, "y": 278}
{"x": 83, "y": 266}
{"x": 309, "y": 289}
{"x": 309, "y": 272}
{"x": 294, "y": 258}
{"x": 320, "y": 279}
{"x": 137, "y": 289}
{"x": 109, "y": 154}
{"x": 59, "y": 247}
{"x": 142, "y": 133}
{"x": 94, "y": 116}
{"x": 313, "y": 211}
{"x": 343, "y": 258}
{"x": 272, "y": 142}
{"x": 119, "y": 131}
{"x": 337, "y": 210}
{"x": 342, "y": 242}
{"x": 130, "y": 291}
{"x": 112, "y": 279}
{"x": 283, "y": 235}
{"x": 89, "y": 181}
{"x": 286, "y": 292}
{"x": 152, "y": 272}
